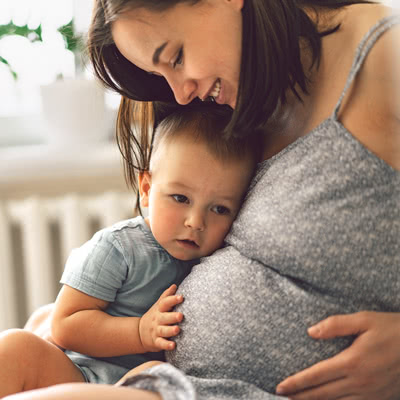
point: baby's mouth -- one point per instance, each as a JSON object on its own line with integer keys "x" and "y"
{"x": 189, "y": 243}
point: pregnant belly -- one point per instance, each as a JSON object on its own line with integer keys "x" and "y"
{"x": 245, "y": 321}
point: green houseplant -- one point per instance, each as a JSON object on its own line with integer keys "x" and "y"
{"x": 73, "y": 110}
{"x": 72, "y": 40}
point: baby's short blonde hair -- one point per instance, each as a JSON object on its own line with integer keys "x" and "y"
{"x": 204, "y": 124}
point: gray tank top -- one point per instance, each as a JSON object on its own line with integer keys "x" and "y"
{"x": 318, "y": 235}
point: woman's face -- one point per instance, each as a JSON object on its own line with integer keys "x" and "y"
{"x": 196, "y": 48}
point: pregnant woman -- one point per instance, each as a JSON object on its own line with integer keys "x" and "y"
{"x": 317, "y": 240}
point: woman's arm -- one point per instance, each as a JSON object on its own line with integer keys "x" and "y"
{"x": 368, "y": 370}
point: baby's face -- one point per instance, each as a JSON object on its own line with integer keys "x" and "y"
{"x": 193, "y": 198}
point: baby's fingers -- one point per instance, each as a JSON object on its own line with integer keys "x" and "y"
{"x": 167, "y": 303}
{"x": 168, "y": 331}
{"x": 169, "y": 318}
{"x": 168, "y": 292}
{"x": 164, "y": 344}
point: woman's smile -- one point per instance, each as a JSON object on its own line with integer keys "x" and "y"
{"x": 188, "y": 55}
{"x": 214, "y": 91}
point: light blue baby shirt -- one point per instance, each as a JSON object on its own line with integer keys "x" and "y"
{"x": 125, "y": 265}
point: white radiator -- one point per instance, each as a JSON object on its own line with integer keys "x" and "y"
{"x": 36, "y": 236}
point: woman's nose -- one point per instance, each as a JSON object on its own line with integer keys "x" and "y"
{"x": 184, "y": 89}
{"x": 195, "y": 221}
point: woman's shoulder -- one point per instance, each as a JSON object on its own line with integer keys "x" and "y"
{"x": 361, "y": 17}
{"x": 371, "y": 108}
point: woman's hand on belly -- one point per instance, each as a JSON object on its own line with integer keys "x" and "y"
{"x": 368, "y": 370}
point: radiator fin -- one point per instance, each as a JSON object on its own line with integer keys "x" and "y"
{"x": 36, "y": 236}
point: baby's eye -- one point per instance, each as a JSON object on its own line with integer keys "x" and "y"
{"x": 221, "y": 210}
{"x": 180, "y": 198}
{"x": 179, "y": 58}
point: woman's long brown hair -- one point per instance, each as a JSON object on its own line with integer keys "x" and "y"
{"x": 272, "y": 32}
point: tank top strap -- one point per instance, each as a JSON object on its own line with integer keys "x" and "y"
{"x": 362, "y": 51}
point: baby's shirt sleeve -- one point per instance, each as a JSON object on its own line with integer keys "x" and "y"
{"x": 99, "y": 267}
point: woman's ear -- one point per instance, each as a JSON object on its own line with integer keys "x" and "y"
{"x": 144, "y": 188}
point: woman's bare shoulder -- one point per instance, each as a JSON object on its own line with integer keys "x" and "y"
{"x": 360, "y": 17}
{"x": 383, "y": 58}
{"x": 372, "y": 108}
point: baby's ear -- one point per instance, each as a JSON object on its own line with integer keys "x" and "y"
{"x": 144, "y": 188}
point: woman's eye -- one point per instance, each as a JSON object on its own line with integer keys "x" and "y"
{"x": 154, "y": 73}
{"x": 180, "y": 198}
{"x": 179, "y": 58}
{"x": 221, "y": 210}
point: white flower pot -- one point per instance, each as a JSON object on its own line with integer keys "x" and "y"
{"x": 75, "y": 113}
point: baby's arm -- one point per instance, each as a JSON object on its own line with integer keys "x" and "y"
{"x": 39, "y": 322}
{"x": 80, "y": 324}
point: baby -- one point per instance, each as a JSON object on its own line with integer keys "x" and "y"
{"x": 115, "y": 309}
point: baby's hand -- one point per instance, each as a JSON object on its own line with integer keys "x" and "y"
{"x": 159, "y": 322}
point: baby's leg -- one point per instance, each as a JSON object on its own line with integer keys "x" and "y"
{"x": 39, "y": 322}
{"x": 138, "y": 370}
{"x": 79, "y": 391}
{"x": 29, "y": 362}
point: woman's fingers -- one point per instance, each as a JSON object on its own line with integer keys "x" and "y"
{"x": 324, "y": 372}
{"x": 340, "y": 325}
{"x": 367, "y": 370}
{"x": 332, "y": 369}
{"x": 339, "y": 389}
